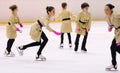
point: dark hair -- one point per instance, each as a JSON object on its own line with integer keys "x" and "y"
{"x": 84, "y": 5}
{"x": 49, "y": 8}
{"x": 64, "y": 4}
{"x": 110, "y": 6}
{"x": 13, "y": 7}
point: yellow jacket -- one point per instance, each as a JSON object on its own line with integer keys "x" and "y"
{"x": 83, "y": 22}
{"x": 114, "y": 22}
{"x": 36, "y": 29}
{"x": 66, "y": 24}
{"x": 11, "y": 28}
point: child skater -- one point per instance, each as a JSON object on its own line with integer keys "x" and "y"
{"x": 65, "y": 15}
{"x": 11, "y": 30}
{"x": 83, "y": 26}
{"x": 37, "y": 34}
{"x": 113, "y": 20}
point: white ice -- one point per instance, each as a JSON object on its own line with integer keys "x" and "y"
{"x": 60, "y": 60}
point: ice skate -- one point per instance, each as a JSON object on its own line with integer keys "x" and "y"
{"x": 61, "y": 46}
{"x": 40, "y": 58}
{"x": 75, "y": 51}
{"x": 70, "y": 45}
{"x": 84, "y": 50}
{"x": 9, "y": 54}
{"x": 111, "y": 68}
{"x": 20, "y": 51}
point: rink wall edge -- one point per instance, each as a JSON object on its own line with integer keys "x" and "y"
{"x": 31, "y": 21}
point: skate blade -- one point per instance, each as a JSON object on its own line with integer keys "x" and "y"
{"x": 40, "y": 59}
{"x": 9, "y": 56}
{"x": 112, "y": 70}
{"x": 83, "y": 52}
{"x": 60, "y": 47}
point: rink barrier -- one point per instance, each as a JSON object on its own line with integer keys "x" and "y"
{"x": 30, "y": 22}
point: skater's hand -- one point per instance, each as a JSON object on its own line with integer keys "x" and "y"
{"x": 118, "y": 44}
{"x": 78, "y": 29}
{"x": 57, "y": 33}
{"x": 17, "y": 29}
{"x": 88, "y": 30}
{"x": 109, "y": 29}
{"x": 21, "y": 25}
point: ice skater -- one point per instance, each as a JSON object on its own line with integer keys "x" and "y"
{"x": 65, "y": 15}
{"x": 113, "y": 20}
{"x": 83, "y": 26}
{"x": 37, "y": 34}
{"x": 11, "y": 30}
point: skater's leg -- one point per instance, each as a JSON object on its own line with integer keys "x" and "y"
{"x": 21, "y": 49}
{"x": 113, "y": 52}
{"x": 69, "y": 38}
{"x": 30, "y": 45}
{"x": 45, "y": 40}
{"x": 118, "y": 49}
{"x": 62, "y": 38}
{"x": 84, "y": 42}
{"x": 77, "y": 42}
{"x": 9, "y": 45}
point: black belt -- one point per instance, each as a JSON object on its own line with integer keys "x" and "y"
{"x": 65, "y": 19}
{"x": 117, "y": 28}
{"x": 9, "y": 23}
{"x": 40, "y": 23}
{"x": 82, "y": 22}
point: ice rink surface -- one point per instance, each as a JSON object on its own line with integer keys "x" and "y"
{"x": 60, "y": 60}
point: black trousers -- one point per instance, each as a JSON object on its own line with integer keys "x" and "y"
{"x": 9, "y": 45}
{"x": 83, "y": 43}
{"x": 42, "y": 45}
{"x": 69, "y": 38}
{"x": 114, "y": 49}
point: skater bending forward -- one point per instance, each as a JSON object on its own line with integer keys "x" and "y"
{"x": 37, "y": 34}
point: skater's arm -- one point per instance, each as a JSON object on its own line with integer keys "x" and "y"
{"x": 46, "y": 24}
{"x": 12, "y": 22}
{"x": 77, "y": 20}
{"x": 19, "y": 22}
{"x": 89, "y": 22}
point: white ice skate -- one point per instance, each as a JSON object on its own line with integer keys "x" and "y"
{"x": 61, "y": 46}
{"x": 83, "y": 51}
{"x": 70, "y": 45}
{"x": 9, "y": 54}
{"x": 111, "y": 68}
{"x": 40, "y": 58}
{"x": 21, "y": 52}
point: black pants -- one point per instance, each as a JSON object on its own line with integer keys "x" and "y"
{"x": 42, "y": 45}
{"x": 114, "y": 50}
{"x": 9, "y": 45}
{"x": 83, "y": 43}
{"x": 69, "y": 38}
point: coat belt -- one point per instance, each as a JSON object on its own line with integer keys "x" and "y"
{"x": 65, "y": 19}
{"x": 40, "y": 23}
{"x": 82, "y": 22}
